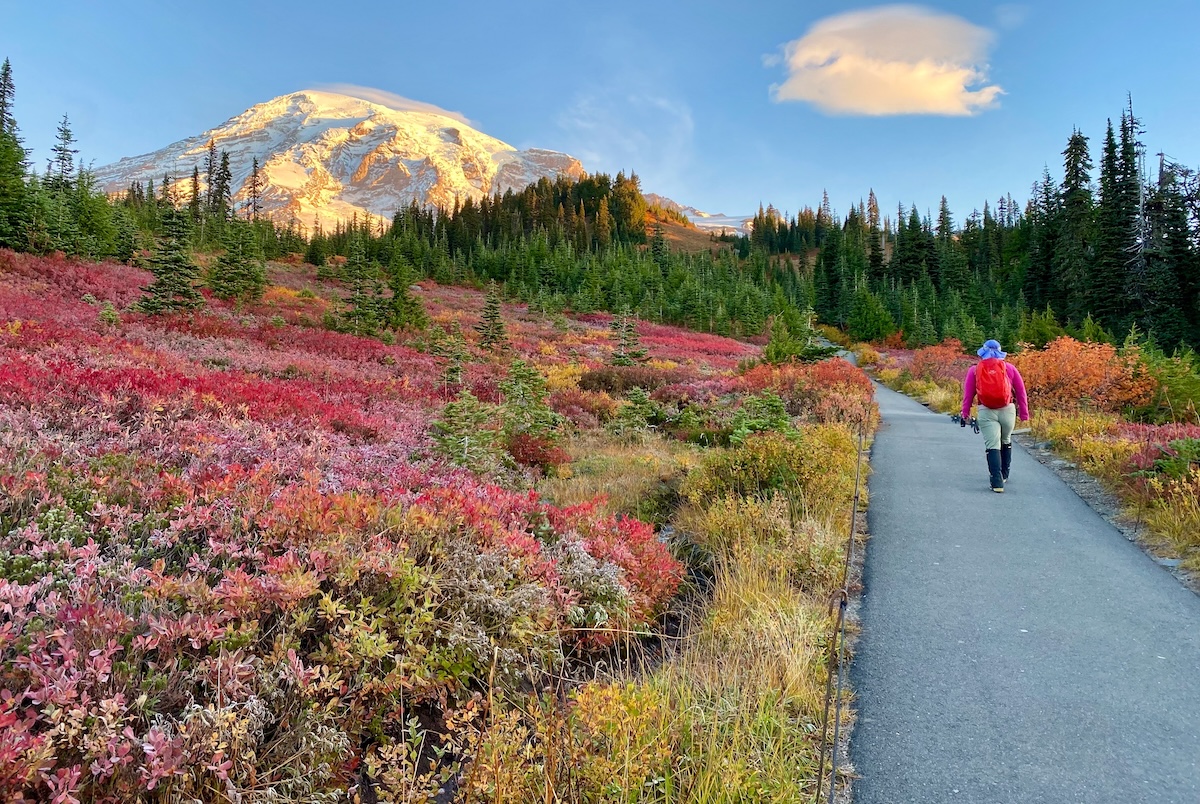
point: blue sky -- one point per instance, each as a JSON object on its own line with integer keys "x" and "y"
{"x": 717, "y": 105}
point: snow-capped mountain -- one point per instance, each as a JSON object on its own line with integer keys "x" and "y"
{"x": 328, "y": 156}
{"x": 705, "y": 221}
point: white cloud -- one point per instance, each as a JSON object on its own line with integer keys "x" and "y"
{"x": 392, "y": 101}
{"x": 890, "y": 60}
{"x": 637, "y": 130}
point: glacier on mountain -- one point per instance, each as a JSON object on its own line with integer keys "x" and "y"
{"x": 326, "y": 156}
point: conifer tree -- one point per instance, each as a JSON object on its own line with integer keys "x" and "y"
{"x": 194, "y": 201}
{"x": 869, "y": 320}
{"x": 8, "y": 123}
{"x": 210, "y": 176}
{"x": 60, "y": 171}
{"x": 362, "y": 315}
{"x": 239, "y": 273}
{"x": 491, "y": 325}
{"x": 628, "y": 350}
{"x": 452, "y": 346}
{"x": 1074, "y": 246}
{"x": 254, "y": 189}
{"x": 1115, "y": 236}
{"x": 14, "y": 194}
{"x": 404, "y": 311}
{"x": 604, "y": 225}
{"x": 175, "y": 273}
{"x": 525, "y": 409}
{"x": 463, "y": 434}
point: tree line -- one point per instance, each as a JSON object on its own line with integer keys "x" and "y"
{"x": 1093, "y": 255}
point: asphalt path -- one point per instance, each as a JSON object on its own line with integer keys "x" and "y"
{"x": 1015, "y": 647}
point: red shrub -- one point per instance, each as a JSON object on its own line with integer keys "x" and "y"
{"x": 943, "y": 363}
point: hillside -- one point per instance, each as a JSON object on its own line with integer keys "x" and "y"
{"x": 247, "y": 552}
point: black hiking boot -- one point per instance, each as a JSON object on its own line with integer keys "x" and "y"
{"x": 1005, "y": 460}
{"x": 993, "y": 460}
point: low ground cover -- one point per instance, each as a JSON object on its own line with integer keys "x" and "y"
{"x": 245, "y": 558}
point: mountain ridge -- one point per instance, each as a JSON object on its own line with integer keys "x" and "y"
{"x": 327, "y": 156}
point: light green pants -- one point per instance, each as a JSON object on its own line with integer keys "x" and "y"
{"x": 996, "y": 426}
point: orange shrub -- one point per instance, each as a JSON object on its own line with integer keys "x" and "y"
{"x": 941, "y": 363}
{"x": 1069, "y": 375}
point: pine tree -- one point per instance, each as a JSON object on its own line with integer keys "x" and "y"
{"x": 210, "y": 176}
{"x": 869, "y": 320}
{"x": 404, "y": 311}
{"x": 525, "y": 410}
{"x": 14, "y": 194}
{"x": 463, "y": 436}
{"x": 628, "y": 350}
{"x": 175, "y": 273}
{"x": 1075, "y": 242}
{"x": 363, "y": 314}
{"x": 239, "y": 273}
{"x": 194, "y": 201}
{"x": 254, "y": 188}
{"x": 1115, "y": 237}
{"x": 491, "y": 325}
{"x": 8, "y": 123}
{"x": 604, "y": 225}
{"x": 60, "y": 172}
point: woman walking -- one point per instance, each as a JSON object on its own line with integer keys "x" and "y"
{"x": 1001, "y": 393}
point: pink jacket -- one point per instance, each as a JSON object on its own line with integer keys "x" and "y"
{"x": 1018, "y": 386}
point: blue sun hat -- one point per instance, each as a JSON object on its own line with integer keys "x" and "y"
{"x": 991, "y": 349}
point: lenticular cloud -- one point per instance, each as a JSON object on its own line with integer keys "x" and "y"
{"x": 890, "y": 60}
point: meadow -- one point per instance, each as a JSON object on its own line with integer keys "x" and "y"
{"x": 245, "y": 558}
{"x": 1127, "y": 415}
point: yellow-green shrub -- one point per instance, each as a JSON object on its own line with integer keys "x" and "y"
{"x": 1175, "y": 514}
{"x": 865, "y": 354}
{"x": 890, "y": 376}
{"x": 815, "y": 467}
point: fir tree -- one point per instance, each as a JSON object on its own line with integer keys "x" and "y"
{"x": 8, "y": 123}
{"x": 1116, "y": 235}
{"x": 604, "y": 225}
{"x": 175, "y": 273}
{"x": 869, "y": 319}
{"x": 463, "y": 436}
{"x": 627, "y": 350}
{"x": 491, "y": 325}
{"x": 404, "y": 311}
{"x": 60, "y": 172}
{"x": 254, "y": 189}
{"x": 14, "y": 194}
{"x": 1074, "y": 245}
{"x": 525, "y": 410}
{"x": 194, "y": 200}
{"x": 239, "y": 273}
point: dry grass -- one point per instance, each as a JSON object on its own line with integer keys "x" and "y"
{"x": 639, "y": 479}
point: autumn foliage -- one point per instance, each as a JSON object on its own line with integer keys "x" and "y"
{"x": 233, "y": 559}
{"x": 1069, "y": 375}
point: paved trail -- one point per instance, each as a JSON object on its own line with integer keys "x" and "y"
{"x": 1015, "y": 647}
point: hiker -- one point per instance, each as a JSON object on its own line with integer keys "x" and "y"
{"x": 996, "y": 383}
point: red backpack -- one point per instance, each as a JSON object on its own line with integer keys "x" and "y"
{"x": 992, "y": 385}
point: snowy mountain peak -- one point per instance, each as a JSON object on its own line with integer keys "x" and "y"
{"x": 326, "y": 156}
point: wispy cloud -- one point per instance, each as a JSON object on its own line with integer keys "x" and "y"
{"x": 1010, "y": 16}
{"x": 639, "y": 130}
{"x": 392, "y": 100}
{"x": 890, "y": 60}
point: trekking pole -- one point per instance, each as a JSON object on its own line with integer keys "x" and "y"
{"x": 972, "y": 422}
